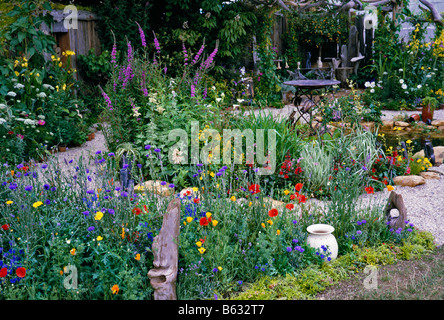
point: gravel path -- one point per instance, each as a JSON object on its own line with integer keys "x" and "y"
{"x": 425, "y": 203}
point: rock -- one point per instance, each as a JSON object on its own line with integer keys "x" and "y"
{"x": 387, "y": 124}
{"x": 430, "y": 175}
{"x": 395, "y": 201}
{"x": 441, "y": 128}
{"x": 437, "y": 151}
{"x": 154, "y": 186}
{"x": 274, "y": 203}
{"x": 401, "y": 124}
{"x": 409, "y": 181}
{"x": 438, "y": 123}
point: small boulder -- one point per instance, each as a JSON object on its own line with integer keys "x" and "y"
{"x": 437, "y": 151}
{"x": 430, "y": 175}
{"x": 387, "y": 124}
{"x": 401, "y": 124}
{"x": 409, "y": 181}
{"x": 438, "y": 123}
{"x": 154, "y": 186}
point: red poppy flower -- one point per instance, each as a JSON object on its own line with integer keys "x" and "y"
{"x": 136, "y": 211}
{"x": 145, "y": 207}
{"x": 286, "y": 176}
{"x": 196, "y": 200}
{"x": 292, "y": 197}
{"x": 298, "y": 170}
{"x": 302, "y": 198}
{"x": 298, "y": 186}
{"x": 5, "y": 226}
{"x": 21, "y": 272}
{"x": 3, "y": 272}
{"x": 290, "y": 206}
{"x": 369, "y": 190}
{"x": 254, "y": 188}
{"x": 203, "y": 221}
{"x": 273, "y": 213}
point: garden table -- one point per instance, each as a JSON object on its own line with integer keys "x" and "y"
{"x": 306, "y": 88}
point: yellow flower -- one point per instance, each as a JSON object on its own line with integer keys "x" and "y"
{"x": 219, "y": 268}
{"x": 390, "y": 188}
{"x": 278, "y": 232}
{"x": 17, "y": 73}
{"x": 208, "y": 214}
{"x": 419, "y": 160}
{"x": 123, "y": 233}
{"x": 270, "y": 222}
{"x": 137, "y": 257}
{"x": 202, "y": 250}
{"x": 215, "y": 222}
{"x": 189, "y": 219}
{"x": 37, "y": 204}
{"x": 73, "y": 251}
{"x": 408, "y": 141}
{"x": 212, "y": 174}
{"x": 195, "y": 189}
{"x": 99, "y": 215}
{"x": 99, "y": 238}
{"x": 115, "y": 289}
{"x": 263, "y": 225}
{"x": 9, "y": 202}
{"x": 233, "y": 198}
{"x": 199, "y": 244}
{"x": 250, "y": 203}
{"x": 286, "y": 192}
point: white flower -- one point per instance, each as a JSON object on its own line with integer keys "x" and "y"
{"x": 29, "y": 121}
{"x": 404, "y": 86}
{"x": 428, "y": 76}
{"x": 41, "y": 95}
{"x": 401, "y": 81}
{"x": 367, "y": 84}
{"x": 419, "y": 86}
{"x": 242, "y": 71}
{"x": 48, "y": 86}
{"x": 41, "y": 116}
{"x": 19, "y": 86}
{"x": 372, "y": 90}
{"x": 177, "y": 157}
{"x": 400, "y": 70}
{"x": 2, "y": 121}
{"x": 2, "y": 106}
{"x": 11, "y": 94}
{"x": 218, "y": 99}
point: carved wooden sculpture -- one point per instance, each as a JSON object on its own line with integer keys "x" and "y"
{"x": 165, "y": 250}
{"x": 395, "y": 201}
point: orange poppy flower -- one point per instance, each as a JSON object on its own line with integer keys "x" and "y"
{"x": 273, "y": 213}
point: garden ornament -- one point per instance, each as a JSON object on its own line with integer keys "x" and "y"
{"x": 308, "y": 63}
{"x": 166, "y": 254}
{"x": 429, "y": 152}
{"x": 395, "y": 201}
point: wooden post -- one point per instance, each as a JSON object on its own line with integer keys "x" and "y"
{"x": 166, "y": 255}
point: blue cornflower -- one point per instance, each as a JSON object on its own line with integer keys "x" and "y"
{"x": 289, "y": 249}
{"x": 157, "y": 150}
{"x": 124, "y": 194}
{"x": 91, "y": 228}
{"x": 28, "y": 188}
{"x": 111, "y": 211}
{"x": 240, "y": 282}
{"x": 147, "y": 147}
{"x": 44, "y": 166}
{"x": 163, "y": 183}
{"x": 359, "y": 232}
{"x": 46, "y": 186}
{"x": 111, "y": 154}
{"x": 47, "y": 202}
{"x": 219, "y": 174}
{"x": 98, "y": 152}
{"x": 86, "y": 213}
{"x": 171, "y": 185}
{"x": 199, "y": 165}
{"x": 90, "y": 191}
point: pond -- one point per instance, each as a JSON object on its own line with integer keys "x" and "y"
{"x": 393, "y": 139}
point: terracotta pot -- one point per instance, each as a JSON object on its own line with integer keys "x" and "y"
{"x": 414, "y": 117}
{"x": 62, "y": 148}
{"x": 427, "y": 113}
{"x": 91, "y": 136}
{"x": 441, "y": 106}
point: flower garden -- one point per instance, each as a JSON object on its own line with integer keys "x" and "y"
{"x": 77, "y": 230}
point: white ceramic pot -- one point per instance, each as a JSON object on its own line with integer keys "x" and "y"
{"x": 321, "y": 235}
